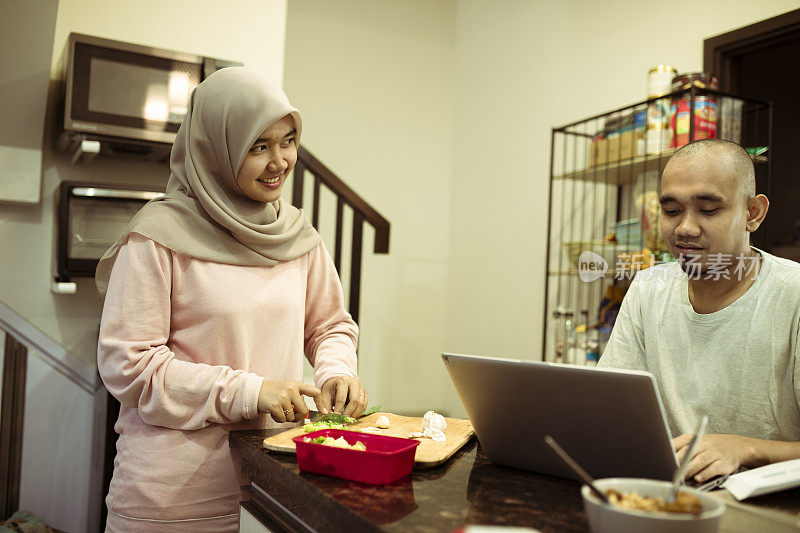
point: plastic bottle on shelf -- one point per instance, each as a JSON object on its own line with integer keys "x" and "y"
{"x": 568, "y": 345}
{"x": 557, "y": 350}
{"x": 578, "y": 347}
{"x": 593, "y": 348}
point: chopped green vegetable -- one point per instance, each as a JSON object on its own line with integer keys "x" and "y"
{"x": 370, "y": 410}
{"x": 338, "y": 418}
{"x": 322, "y": 424}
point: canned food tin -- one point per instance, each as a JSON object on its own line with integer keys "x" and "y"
{"x": 705, "y": 109}
{"x": 705, "y": 120}
{"x": 658, "y": 138}
{"x": 658, "y": 112}
{"x": 659, "y": 80}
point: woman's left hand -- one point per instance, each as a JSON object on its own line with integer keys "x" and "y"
{"x": 343, "y": 394}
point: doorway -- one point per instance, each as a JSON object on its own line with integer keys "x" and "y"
{"x": 760, "y": 61}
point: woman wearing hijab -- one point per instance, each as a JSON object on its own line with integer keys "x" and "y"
{"x": 213, "y": 295}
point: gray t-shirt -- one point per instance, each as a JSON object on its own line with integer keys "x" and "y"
{"x": 739, "y": 365}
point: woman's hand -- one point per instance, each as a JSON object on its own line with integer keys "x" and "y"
{"x": 347, "y": 395}
{"x": 283, "y": 400}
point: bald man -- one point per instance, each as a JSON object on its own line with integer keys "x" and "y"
{"x": 719, "y": 328}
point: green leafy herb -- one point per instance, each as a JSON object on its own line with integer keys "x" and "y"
{"x": 339, "y": 420}
{"x": 370, "y": 410}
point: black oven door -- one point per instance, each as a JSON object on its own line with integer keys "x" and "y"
{"x": 90, "y": 219}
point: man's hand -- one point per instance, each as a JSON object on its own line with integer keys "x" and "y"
{"x": 716, "y": 455}
{"x": 283, "y": 400}
{"x": 346, "y": 394}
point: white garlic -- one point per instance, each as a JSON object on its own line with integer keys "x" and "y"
{"x": 434, "y": 421}
{"x": 382, "y": 422}
{"x": 434, "y": 434}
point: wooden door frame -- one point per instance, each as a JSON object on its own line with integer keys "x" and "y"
{"x": 721, "y": 52}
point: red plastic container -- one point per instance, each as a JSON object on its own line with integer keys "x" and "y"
{"x": 386, "y": 459}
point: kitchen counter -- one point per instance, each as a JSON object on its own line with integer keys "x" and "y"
{"x": 467, "y": 489}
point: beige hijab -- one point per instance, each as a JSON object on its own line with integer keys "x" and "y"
{"x": 204, "y": 214}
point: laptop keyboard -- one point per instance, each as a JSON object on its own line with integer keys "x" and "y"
{"x": 706, "y": 486}
{"x": 712, "y": 484}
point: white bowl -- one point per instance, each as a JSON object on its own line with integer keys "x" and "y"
{"x": 607, "y": 518}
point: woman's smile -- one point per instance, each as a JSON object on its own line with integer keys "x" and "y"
{"x": 272, "y": 183}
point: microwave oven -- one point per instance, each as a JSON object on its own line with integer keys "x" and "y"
{"x": 127, "y": 98}
{"x": 91, "y": 217}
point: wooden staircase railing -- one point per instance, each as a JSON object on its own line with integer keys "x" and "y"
{"x": 362, "y": 212}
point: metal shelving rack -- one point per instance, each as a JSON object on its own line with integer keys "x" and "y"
{"x": 592, "y": 192}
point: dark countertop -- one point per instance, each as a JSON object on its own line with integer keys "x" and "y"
{"x": 467, "y": 489}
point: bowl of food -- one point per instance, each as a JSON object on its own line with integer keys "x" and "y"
{"x": 640, "y": 505}
{"x": 356, "y": 456}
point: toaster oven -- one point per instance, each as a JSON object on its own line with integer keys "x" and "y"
{"x": 90, "y": 219}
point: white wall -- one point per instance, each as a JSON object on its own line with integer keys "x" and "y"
{"x": 374, "y": 83}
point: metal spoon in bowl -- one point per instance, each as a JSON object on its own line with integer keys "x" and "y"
{"x": 677, "y": 481}
{"x": 575, "y": 467}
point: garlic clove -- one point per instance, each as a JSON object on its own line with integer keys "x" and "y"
{"x": 434, "y": 434}
{"x": 382, "y": 422}
{"x": 434, "y": 420}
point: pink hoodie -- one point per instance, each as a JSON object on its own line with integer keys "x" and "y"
{"x": 185, "y": 345}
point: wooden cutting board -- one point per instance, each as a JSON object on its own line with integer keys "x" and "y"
{"x": 429, "y": 453}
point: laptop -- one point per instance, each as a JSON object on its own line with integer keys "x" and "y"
{"x": 611, "y": 422}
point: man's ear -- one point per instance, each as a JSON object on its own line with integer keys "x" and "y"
{"x": 757, "y": 208}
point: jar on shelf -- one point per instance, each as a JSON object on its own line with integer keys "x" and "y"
{"x": 576, "y": 345}
{"x": 658, "y": 138}
{"x": 659, "y": 80}
{"x": 593, "y": 348}
{"x": 565, "y": 334}
{"x": 562, "y": 326}
{"x": 659, "y": 129}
